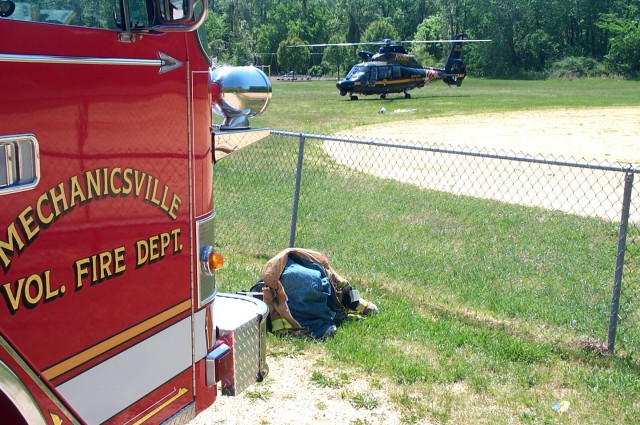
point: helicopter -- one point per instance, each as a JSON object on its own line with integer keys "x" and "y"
{"x": 393, "y": 70}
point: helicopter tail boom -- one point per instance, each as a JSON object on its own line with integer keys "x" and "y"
{"x": 454, "y": 67}
{"x": 454, "y": 70}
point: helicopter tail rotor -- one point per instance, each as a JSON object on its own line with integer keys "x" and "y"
{"x": 455, "y": 74}
{"x": 455, "y": 71}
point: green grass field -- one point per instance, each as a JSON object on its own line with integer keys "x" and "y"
{"x": 316, "y": 107}
{"x": 456, "y": 347}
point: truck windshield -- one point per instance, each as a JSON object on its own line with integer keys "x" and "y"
{"x": 94, "y": 13}
{"x": 99, "y": 13}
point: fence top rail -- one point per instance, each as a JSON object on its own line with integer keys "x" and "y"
{"x": 459, "y": 151}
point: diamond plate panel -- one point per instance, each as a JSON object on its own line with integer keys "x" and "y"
{"x": 240, "y": 321}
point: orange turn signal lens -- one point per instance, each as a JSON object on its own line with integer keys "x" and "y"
{"x": 210, "y": 260}
{"x": 216, "y": 260}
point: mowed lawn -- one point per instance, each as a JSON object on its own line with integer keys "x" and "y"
{"x": 316, "y": 106}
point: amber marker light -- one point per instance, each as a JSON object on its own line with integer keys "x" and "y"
{"x": 210, "y": 260}
{"x": 216, "y": 261}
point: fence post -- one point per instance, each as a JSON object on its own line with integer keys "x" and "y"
{"x": 296, "y": 196}
{"x": 622, "y": 246}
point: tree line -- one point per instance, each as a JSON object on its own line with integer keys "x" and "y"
{"x": 530, "y": 38}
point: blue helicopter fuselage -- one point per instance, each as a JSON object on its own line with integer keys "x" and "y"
{"x": 379, "y": 77}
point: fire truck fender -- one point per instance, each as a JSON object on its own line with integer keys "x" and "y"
{"x": 16, "y": 393}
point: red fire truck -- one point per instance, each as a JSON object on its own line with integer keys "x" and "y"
{"x": 109, "y": 310}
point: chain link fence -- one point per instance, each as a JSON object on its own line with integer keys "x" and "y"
{"x": 546, "y": 244}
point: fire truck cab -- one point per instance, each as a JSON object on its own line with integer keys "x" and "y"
{"x": 109, "y": 310}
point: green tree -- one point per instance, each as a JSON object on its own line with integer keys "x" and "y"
{"x": 623, "y": 56}
{"x": 379, "y": 30}
{"x": 215, "y": 31}
{"x": 528, "y": 35}
{"x": 243, "y": 47}
{"x": 268, "y": 38}
{"x": 454, "y": 13}
{"x": 310, "y": 25}
{"x": 430, "y": 28}
{"x": 408, "y": 15}
{"x": 338, "y": 57}
{"x": 293, "y": 59}
{"x": 624, "y": 24}
{"x": 536, "y": 49}
{"x": 500, "y": 57}
{"x": 353, "y": 29}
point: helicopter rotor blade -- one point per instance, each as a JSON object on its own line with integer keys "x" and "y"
{"x": 326, "y": 45}
{"x": 389, "y": 42}
{"x": 443, "y": 41}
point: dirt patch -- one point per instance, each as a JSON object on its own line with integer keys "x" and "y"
{"x": 290, "y": 396}
{"x": 439, "y": 158}
{"x": 598, "y": 135}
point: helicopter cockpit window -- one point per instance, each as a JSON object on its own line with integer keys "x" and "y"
{"x": 357, "y": 72}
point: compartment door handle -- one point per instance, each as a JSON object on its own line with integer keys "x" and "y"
{"x": 19, "y": 163}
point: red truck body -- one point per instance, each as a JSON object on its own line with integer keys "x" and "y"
{"x": 108, "y": 309}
